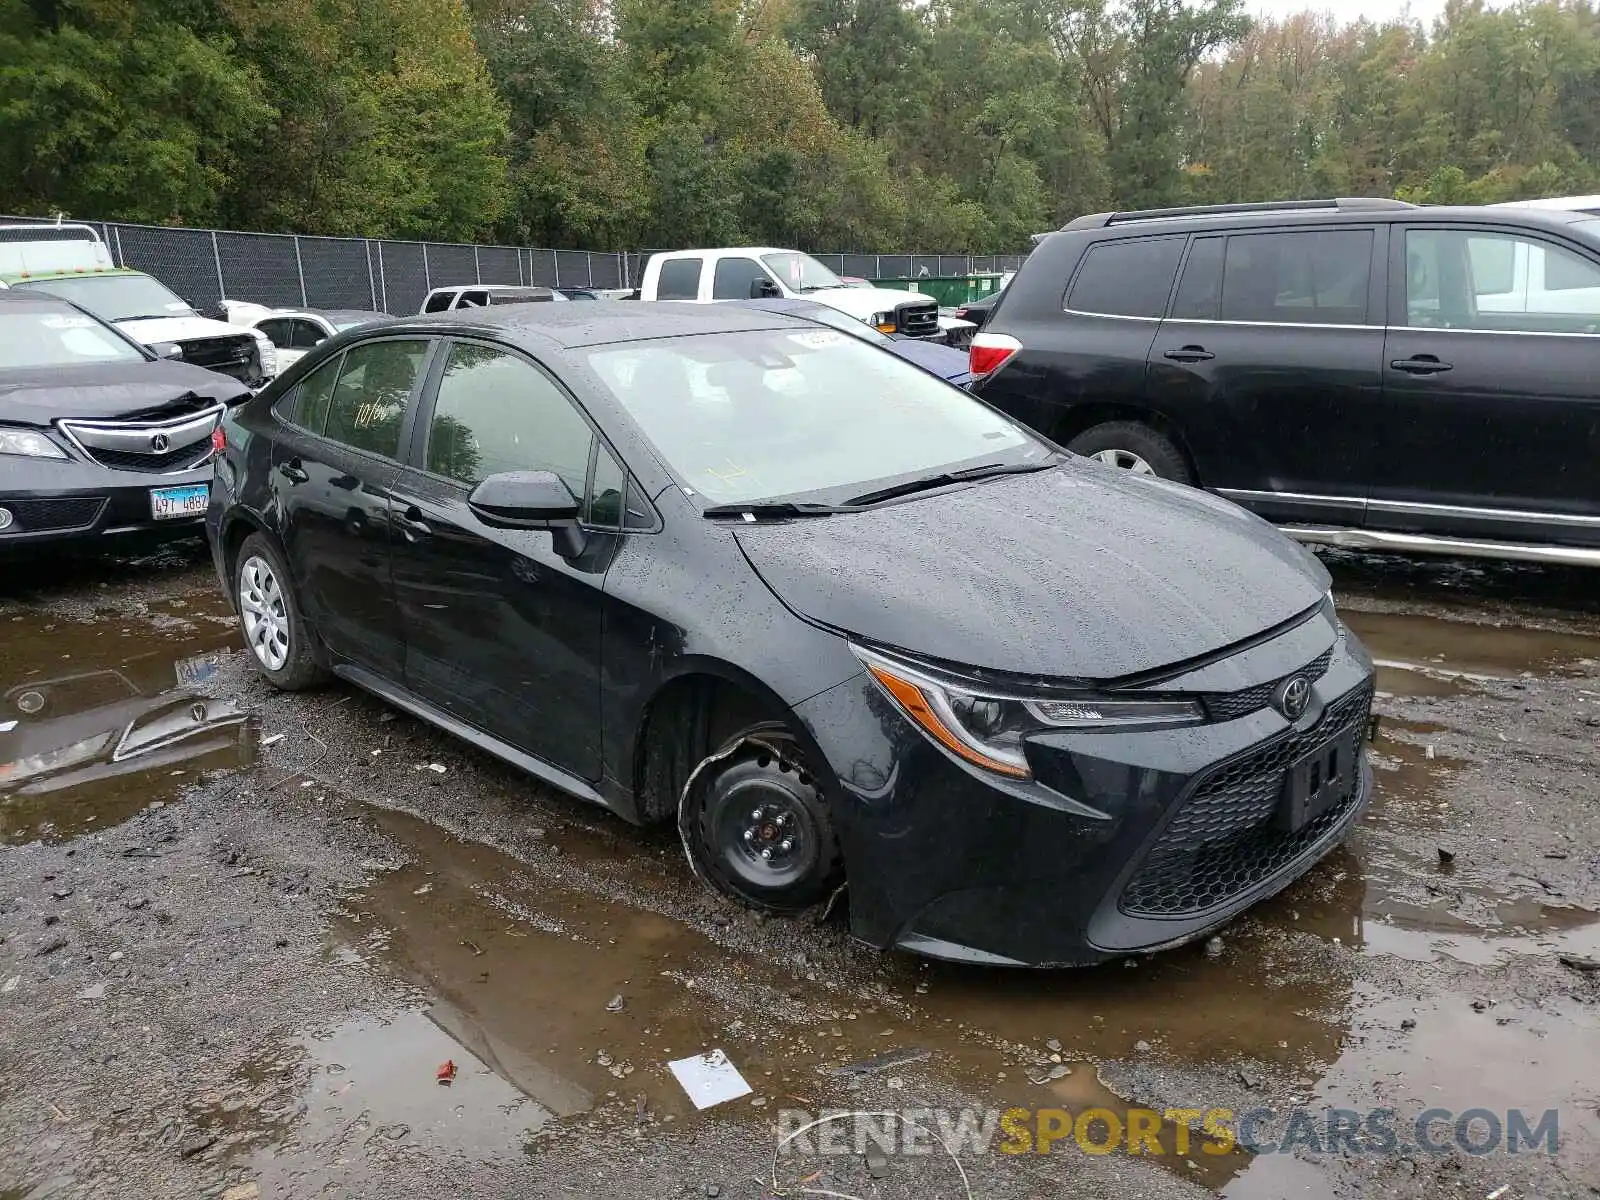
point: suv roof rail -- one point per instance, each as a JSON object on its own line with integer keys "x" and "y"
{"x": 1340, "y": 204}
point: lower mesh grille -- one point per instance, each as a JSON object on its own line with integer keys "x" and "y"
{"x": 31, "y": 516}
{"x": 1223, "y": 840}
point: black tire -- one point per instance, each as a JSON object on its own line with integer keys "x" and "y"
{"x": 270, "y": 618}
{"x": 1135, "y": 442}
{"x": 757, "y": 794}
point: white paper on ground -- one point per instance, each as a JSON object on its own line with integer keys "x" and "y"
{"x": 709, "y": 1079}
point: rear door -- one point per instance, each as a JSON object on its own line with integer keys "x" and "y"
{"x": 1492, "y": 413}
{"x": 1270, "y": 362}
{"x": 502, "y": 631}
{"x": 333, "y": 466}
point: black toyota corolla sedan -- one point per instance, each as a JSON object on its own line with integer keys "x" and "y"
{"x": 101, "y": 440}
{"x": 842, "y": 622}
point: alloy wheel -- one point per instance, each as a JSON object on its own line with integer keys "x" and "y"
{"x": 1126, "y": 460}
{"x": 265, "y": 613}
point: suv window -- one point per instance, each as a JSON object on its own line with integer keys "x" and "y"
{"x": 278, "y": 332}
{"x": 680, "y": 279}
{"x": 369, "y": 400}
{"x": 1127, "y": 279}
{"x": 1316, "y": 277}
{"x": 496, "y": 412}
{"x": 1457, "y": 279}
{"x": 304, "y": 334}
{"x": 734, "y": 277}
{"x": 439, "y": 301}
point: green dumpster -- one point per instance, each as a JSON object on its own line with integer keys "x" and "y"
{"x": 948, "y": 291}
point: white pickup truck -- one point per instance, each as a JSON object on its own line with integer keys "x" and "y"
{"x": 762, "y": 272}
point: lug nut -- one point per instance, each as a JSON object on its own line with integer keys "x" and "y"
{"x": 767, "y": 853}
{"x": 749, "y": 835}
{"x": 783, "y": 818}
{"x": 788, "y": 844}
{"x": 756, "y": 814}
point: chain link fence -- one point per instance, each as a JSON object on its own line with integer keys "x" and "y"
{"x": 282, "y": 270}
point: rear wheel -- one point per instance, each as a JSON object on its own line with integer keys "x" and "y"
{"x": 755, "y": 826}
{"x": 274, "y": 631}
{"x": 1131, "y": 446}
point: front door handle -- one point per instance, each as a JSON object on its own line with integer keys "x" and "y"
{"x": 293, "y": 471}
{"x": 1189, "y": 354}
{"x": 1421, "y": 364}
{"x": 412, "y": 526}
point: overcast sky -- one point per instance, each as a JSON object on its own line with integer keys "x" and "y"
{"x": 1375, "y": 10}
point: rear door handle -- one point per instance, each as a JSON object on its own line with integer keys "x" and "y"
{"x": 293, "y": 471}
{"x": 412, "y": 526}
{"x": 1421, "y": 364}
{"x": 1189, "y": 354}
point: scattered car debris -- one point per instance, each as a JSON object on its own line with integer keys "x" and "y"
{"x": 709, "y": 1079}
{"x": 616, "y": 1004}
{"x": 884, "y": 1062}
{"x": 446, "y": 1074}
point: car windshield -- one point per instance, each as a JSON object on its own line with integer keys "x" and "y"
{"x": 117, "y": 297}
{"x": 848, "y": 324}
{"x": 58, "y": 339}
{"x": 801, "y": 272}
{"x": 787, "y": 412}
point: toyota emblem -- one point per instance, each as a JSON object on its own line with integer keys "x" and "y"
{"x": 159, "y": 443}
{"x": 1292, "y": 697}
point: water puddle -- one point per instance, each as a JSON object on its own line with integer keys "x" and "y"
{"x": 103, "y": 716}
{"x": 1431, "y": 656}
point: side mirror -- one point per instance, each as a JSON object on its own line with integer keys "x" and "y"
{"x": 166, "y": 349}
{"x": 763, "y": 288}
{"x": 530, "y": 500}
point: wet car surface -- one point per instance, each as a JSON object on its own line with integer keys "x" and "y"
{"x": 268, "y": 950}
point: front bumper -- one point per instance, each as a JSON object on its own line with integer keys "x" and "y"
{"x": 88, "y": 506}
{"x": 1124, "y": 843}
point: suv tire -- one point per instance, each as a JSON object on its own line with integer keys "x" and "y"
{"x": 1133, "y": 447}
{"x": 277, "y": 636}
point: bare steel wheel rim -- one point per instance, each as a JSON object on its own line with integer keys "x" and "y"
{"x": 265, "y": 613}
{"x": 1125, "y": 460}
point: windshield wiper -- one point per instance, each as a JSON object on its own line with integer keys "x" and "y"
{"x": 946, "y": 478}
{"x": 772, "y": 510}
{"x": 145, "y": 317}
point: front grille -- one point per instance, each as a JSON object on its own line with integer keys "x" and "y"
{"x": 918, "y": 320}
{"x": 33, "y": 516}
{"x": 1223, "y": 841}
{"x": 1230, "y": 706}
{"x": 179, "y": 458}
{"x": 236, "y": 356}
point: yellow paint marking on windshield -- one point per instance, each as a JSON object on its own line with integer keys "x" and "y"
{"x": 731, "y": 473}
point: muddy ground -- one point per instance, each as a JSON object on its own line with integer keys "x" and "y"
{"x": 234, "y": 965}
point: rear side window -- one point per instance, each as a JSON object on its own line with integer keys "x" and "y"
{"x": 1309, "y": 278}
{"x": 439, "y": 302}
{"x": 734, "y": 277}
{"x": 308, "y": 406}
{"x": 1127, "y": 279}
{"x": 370, "y": 398}
{"x": 680, "y": 279}
{"x": 1199, "y": 295}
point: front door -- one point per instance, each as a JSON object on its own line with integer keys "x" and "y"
{"x": 332, "y": 470}
{"x": 502, "y": 631}
{"x": 1492, "y": 411}
{"x": 1270, "y": 361}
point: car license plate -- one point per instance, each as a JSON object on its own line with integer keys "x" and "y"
{"x": 188, "y": 501}
{"x": 197, "y": 668}
{"x": 1320, "y": 782}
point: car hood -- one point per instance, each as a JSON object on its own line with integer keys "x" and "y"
{"x": 944, "y": 361}
{"x": 179, "y": 329}
{"x": 1081, "y": 572}
{"x": 862, "y": 303}
{"x": 107, "y": 390}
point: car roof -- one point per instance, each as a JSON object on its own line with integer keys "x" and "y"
{"x": 757, "y": 250}
{"x": 23, "y": 300}
{"x": 1111, "y": 225}
{"x": 332, "y": 314}
{"x": 600, "y": 322}
{"x": 53, "y": 276}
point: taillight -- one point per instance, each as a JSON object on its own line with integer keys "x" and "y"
{"x": 219, "y": 440}
{"x": 989, "y": 352}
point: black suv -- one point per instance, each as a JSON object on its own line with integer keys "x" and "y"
{"x": 1364, "y": 372}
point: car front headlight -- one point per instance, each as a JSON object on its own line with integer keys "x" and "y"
{"x": 29, "y": 444}
{"x": 884, "y": 322}
{"x": 268, "y": 353}
{"x": 987, "y": 728}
